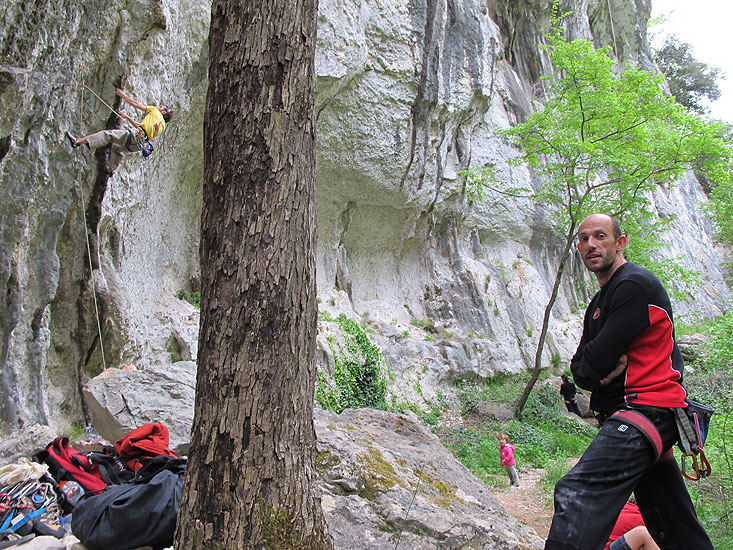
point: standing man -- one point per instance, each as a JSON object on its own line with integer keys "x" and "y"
{"x": 128, "y": 141}
{"x": 628, "y": 359}
{"x": 568, "y": 392}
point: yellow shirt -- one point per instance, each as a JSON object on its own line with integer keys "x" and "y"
{"x": 153, "y": 122}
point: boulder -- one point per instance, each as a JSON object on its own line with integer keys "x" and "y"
{"x": 121, "y": 400}
{"x": 383, "y": 477}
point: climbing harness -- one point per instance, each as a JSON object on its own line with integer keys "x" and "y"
{"x": 692, "y": 423}
{"x": 645, "y": 426}
{"x": 146, "y": 148}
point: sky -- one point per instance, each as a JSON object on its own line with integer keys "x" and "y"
{"x": 706, "y": 26}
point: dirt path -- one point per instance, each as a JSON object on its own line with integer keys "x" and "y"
{"x": 527, "y": 503}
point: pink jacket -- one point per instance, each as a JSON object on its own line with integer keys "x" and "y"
{"x": 507, "y": 455}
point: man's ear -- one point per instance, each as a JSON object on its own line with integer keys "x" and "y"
{"x": 623, "y": 240}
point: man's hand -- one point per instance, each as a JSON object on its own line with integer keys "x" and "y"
{"x": 131, "y": 120}
{"x": 130, "y": 100}
{"x": 620, "y": 368}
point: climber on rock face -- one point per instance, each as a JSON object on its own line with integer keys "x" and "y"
{"x": 128, "y": 141}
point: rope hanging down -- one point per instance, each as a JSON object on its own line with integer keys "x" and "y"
{"x": 86, "y": 232}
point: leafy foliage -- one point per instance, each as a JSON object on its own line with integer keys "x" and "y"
{"x": 358, "y": 378}
{"x": 691, "y": 81}
{"x": 193, "y": 298}
{"x": 720, "y": 209}
{"x": 714, "y": 370}
{"x": 644, "y": 249}
{"x": 712, "y": 383}
{"x": 604, "y": 140}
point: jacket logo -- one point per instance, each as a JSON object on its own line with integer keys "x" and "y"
{"x": 597, "y": 313}
{"x": 623, "y": 428}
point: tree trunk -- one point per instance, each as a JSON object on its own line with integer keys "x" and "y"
{"x": 546, "y": 319}
{"x": 251, "y": 468}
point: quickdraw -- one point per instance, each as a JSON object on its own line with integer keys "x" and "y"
{"x": 23, "y": 501}
{"x": 692, "y": 439}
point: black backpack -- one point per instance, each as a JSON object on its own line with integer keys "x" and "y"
{"x": 139, "y": 513}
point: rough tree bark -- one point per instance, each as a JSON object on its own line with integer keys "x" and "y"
{"x": 251, "y": 468}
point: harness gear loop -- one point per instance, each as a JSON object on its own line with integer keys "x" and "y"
{"x": 691, "y": 442}
{"x": 146, "y": 148}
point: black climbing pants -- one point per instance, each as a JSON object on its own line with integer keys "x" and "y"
{"x": 621, "y": 460}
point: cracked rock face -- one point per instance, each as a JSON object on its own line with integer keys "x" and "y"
{"x": 409, "y": 93}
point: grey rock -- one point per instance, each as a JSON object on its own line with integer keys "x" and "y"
{"x": 383, "y": 476}
{"x": 23, "y": 443}
{"x": 407, "y": 95}
{"x": 692, "y": 347}
{"x": 122, "y": 400}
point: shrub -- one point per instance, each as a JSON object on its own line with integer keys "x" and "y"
{"x": 358, "y": 378}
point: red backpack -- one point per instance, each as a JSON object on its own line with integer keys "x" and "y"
{"x": 67, "y": 464}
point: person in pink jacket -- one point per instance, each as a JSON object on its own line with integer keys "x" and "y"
{"x": 506, "y": 454}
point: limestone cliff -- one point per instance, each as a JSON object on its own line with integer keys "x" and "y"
{"x": 409, "y": 93}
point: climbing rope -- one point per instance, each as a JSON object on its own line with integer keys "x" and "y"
{"x": 102, "y": 100}
{"x": 613, "y": 33}
{"x": 409, "y": 507}
{"x": 86, "y": 232}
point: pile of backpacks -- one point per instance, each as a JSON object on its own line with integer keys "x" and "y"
{"x": 117, "y": 497}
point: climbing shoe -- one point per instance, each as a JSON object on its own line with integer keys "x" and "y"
{"x": 71, "y": 139}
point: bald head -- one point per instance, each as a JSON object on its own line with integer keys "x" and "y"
{"x": 601, "y": 245}
{"x": 596, "y": 218}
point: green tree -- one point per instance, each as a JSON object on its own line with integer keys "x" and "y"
{"x": 721, "y": 209}
{"x": 691, "y": 81}
{"x": 602, "y": 142}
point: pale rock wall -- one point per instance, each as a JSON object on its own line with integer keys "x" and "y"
{"x": 143, "y": 223}
{"x": 408, "y": 94}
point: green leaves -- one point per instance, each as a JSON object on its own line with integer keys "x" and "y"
{"x": 605, "y": 139}
{"x": 358, "y": 379}
{"x": 690, "y": 81}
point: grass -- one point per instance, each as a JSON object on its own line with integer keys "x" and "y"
{"x": 545, "y": 439}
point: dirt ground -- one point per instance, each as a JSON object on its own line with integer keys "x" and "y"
{"x": 527, "y": 503}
